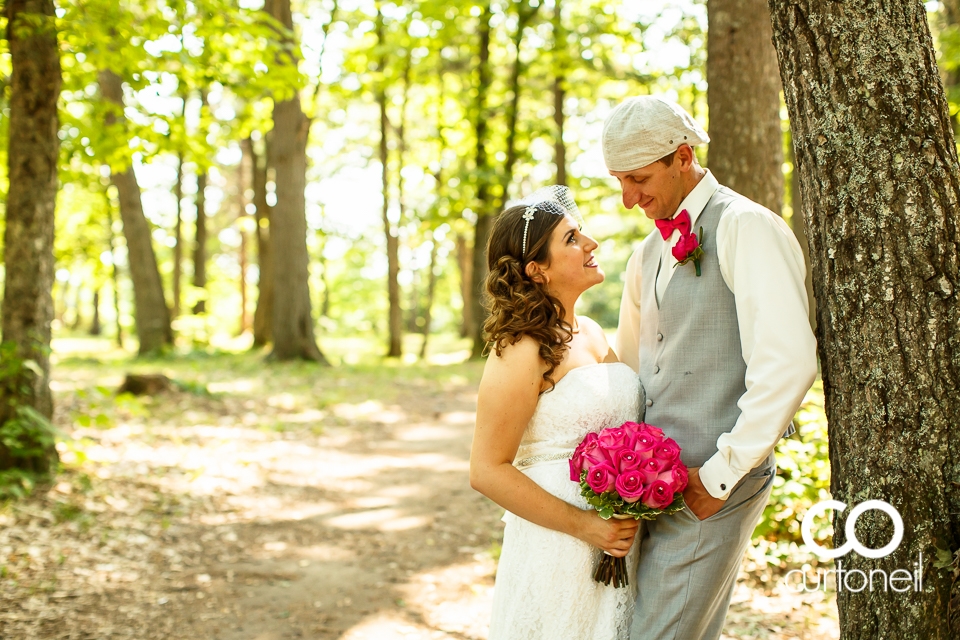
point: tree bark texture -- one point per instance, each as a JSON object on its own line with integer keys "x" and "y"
{"x": 152, "y": 314}
{"x": 293, "y": 335}
{"x": 746, "y": 142}
{"x": 263, "y": 314}
{"x": 484, "y": 224}
{"x": 395, "y": 318}
{"x": 880, "y": 187}
{"x": 797, "y": 225}
{"x": 28, "y": 235}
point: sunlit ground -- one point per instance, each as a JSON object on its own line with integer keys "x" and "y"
{"x": 281, "y": 500}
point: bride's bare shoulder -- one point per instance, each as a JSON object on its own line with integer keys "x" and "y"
{"x": 525, "y": 351}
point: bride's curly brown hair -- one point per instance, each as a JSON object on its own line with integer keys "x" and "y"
{"x": 517, "y": 304}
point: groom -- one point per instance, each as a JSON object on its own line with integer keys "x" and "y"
{"x": 714, "y": 319}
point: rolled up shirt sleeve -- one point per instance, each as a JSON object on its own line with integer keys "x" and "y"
{"x": 762, "y": 263}
{"x": 627, "y": 345}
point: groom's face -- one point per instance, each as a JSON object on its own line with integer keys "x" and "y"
{"x": 657, "y": 188}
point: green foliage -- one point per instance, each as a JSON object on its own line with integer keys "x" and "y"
{"x": 26, "y": 435}
{"x": 803, "y": 479}
{"x": 609, "y": 503}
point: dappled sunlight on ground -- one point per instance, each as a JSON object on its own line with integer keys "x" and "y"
{"x": 275, "y": 501}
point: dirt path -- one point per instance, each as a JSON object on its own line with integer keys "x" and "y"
{"x": 293, "y": 502}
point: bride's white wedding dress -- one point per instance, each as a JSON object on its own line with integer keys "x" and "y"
{"x": 544, "y": 586}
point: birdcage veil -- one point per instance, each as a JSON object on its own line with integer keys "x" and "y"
{"x": 556, "y": 199}
{"x": 556, "y": 194}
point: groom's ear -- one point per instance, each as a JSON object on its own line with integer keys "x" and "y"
{"x": 686, "y": 156}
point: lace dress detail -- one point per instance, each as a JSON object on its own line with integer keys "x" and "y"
{"x": 544, "y": 586}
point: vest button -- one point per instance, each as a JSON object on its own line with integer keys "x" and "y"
{"x": 649, "y": 403}
{"x": 659, "y": 337}
{"x": 656, "y": 369}
{"x": 723, "y": 487}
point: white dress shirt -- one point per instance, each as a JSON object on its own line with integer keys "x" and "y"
{"x": 762, "y": 264}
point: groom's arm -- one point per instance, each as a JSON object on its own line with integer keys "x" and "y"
{"x": 761, "y": 262}
{"x": 628, "y": 328}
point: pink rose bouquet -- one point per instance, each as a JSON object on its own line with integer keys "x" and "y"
{"x": 630, "y": 471}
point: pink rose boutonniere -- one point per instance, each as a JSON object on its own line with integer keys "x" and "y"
{"x": 689, "y": 247}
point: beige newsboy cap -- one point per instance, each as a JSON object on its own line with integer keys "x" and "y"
{"x": 643, "y": 129}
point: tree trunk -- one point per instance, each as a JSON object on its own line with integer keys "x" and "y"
{"x": 293, "y": 335}
{"x": 95, "y": 328}
{"x": 115, "y": 270}
{"x": 431, "y": 292}
{"x": 796, "y": 223}
{"x": 244, "y": 174}
{"x": 524, "y": 15}
{"x": 200, "y": 238}
{"x": 394, "y": 348}
{"x": 77, "y": 317}
{"x": 880, "y": 187}
{"x": 200, "y": 244}
{"x": 484, "y": 224}
{"x": 32, "y": 161}
{"x": 746, "y": 141}
{"x": 465, "y": 262}
{"x": 178, "y": 237}
{"x": 559, "y": 92}
{"x": 263, "y": 314}
{"x": 152, "y": 314}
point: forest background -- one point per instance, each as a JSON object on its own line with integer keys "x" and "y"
{"x": 194, "y": 134}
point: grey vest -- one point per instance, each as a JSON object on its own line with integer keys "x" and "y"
{"x": 691, "y": 363}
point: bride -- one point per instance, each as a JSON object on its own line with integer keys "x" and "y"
{"x": 550, "y": 379}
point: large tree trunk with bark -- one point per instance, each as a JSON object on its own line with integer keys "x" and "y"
{"x": 293, "y": 335}
{"x": 32, "y": 157}
{"x": 746, "y": 141}
{"x": 394, "y": 347}
{"x": 152, "y": 314}
{"x": 799, "y": 230}
{"x": 880, "y": 188}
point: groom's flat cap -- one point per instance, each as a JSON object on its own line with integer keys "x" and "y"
{"x": 643, "y": 129}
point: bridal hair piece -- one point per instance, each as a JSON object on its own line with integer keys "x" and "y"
{"x": 555, "y": 199}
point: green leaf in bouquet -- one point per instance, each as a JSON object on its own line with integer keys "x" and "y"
{"x": 606, "y": 512}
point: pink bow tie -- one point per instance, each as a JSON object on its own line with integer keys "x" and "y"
{"x": 680, "y": 221}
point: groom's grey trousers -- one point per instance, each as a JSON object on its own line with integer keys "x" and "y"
{"x": 688, "y": 568}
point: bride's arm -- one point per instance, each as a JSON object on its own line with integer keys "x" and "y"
{"x": 508, "y": 396}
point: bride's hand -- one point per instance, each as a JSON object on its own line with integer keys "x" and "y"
{"x": 613, "y": 536}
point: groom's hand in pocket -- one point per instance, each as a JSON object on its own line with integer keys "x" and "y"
{"x": 702, "y": 504}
